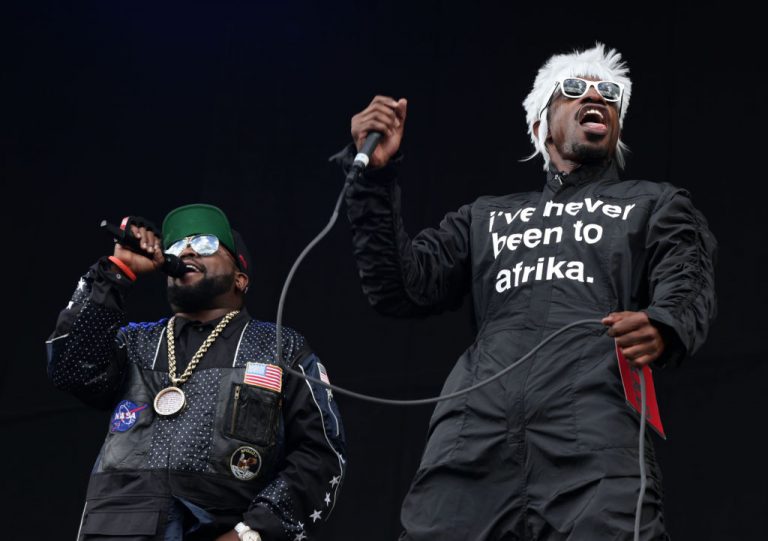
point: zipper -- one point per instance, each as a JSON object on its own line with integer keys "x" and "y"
{"x": 234, "y": 409}
{"x": 559, "y": 179}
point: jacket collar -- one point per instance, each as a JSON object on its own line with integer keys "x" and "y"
{"x": 236, "y": 324}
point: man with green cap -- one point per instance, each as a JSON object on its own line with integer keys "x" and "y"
{"x": 207, "y": 440}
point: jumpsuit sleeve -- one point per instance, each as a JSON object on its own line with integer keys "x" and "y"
{"x": 86, "y": 353}
{"x": 682, "y": 254}
{"x": 401, "y": 276}
{"x": 303, "y": 494}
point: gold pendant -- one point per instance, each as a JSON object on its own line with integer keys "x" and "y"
{"x": 169, "y": 401}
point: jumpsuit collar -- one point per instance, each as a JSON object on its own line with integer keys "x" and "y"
{"x": 583, "y": 174}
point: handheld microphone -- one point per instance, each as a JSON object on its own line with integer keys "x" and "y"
{"x": 172, "y": 266}
{"x": 364, "y": 154}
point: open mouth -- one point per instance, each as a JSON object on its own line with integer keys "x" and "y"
{"x": 191, "y": 267}
{"x": 593, "y": 118}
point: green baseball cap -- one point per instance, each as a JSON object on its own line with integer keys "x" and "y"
{"x": 197, "y": 219}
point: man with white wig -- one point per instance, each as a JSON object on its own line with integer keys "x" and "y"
{"x": 550, "y": 450}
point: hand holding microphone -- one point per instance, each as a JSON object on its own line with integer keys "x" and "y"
{"x": 377, "y": 131}
{"x": 139, "y": 246}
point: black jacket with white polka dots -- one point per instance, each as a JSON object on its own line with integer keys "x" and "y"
{"x": 253, "y": 443}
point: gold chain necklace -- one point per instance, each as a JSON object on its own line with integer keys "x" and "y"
{"x": 171, "y": 400}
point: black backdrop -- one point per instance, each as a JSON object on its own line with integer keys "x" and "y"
{"x": 114, "y": 108}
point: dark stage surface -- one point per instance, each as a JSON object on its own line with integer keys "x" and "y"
{"x": 115, "y": 108}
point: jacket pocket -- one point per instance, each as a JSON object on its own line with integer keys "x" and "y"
{"x": 252, "y": 414}
{"x": 122, "y": 525}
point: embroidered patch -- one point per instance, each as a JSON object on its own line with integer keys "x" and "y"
{"x": 245, "y": 463}
{"x": 126, "y": 415}
{"x": 323, "y": 374}
{"x": 264, "y": 375}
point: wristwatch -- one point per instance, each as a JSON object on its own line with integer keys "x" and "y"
{"x": 245, "y": 533}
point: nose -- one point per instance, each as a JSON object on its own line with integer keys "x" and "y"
{"x": 593, "y": 95}
{"x": 188, "y": 251}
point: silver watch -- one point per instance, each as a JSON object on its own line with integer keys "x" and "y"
{"x": 245, "y": 533}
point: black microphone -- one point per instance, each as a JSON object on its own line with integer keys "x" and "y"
{"x": 364, "y": 154}
{"x": 172, "y": 266}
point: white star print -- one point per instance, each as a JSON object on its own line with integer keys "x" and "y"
{"x": 327, "y": 498}
{"x": 335, "y": 480}
{"x": 301, "y": 525}
{"x": 299, "y": 536}
{"x": 315, "y": 516}
{"x": 70, "y": 305}
{"x": 330, "y": 393}
{"x": 81, "y": 285}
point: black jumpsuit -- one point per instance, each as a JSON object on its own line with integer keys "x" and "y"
{"x": 549, "y": 451}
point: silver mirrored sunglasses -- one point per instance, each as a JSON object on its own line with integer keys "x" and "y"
{"x": 201, "y": 244}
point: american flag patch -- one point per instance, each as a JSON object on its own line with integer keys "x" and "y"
{"x": 323, "y": 374}
{"x": 264, "y": 375}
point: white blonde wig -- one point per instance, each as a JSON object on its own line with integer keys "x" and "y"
{"x": 592, "y": 63}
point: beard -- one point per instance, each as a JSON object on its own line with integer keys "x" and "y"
{"x": 590, "y": 153}
{"x": 199, "y": 296}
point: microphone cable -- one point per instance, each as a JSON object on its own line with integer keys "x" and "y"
{"x": 641, "y": 457}
{"x": 356, "y": 170}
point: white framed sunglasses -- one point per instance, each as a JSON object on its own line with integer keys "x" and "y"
{"x": 201, "y": 244}
{"x": 576, "y": 87}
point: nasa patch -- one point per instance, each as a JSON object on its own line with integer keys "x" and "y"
{"x": 245, "y": 463}
{"x": 126, "y": 415}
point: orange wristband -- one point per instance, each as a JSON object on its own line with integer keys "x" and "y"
{"x": 122, "y": 266}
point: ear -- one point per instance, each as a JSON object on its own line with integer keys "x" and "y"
{"x": 241, "y": 282}
{"x": 536, "y": 128}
